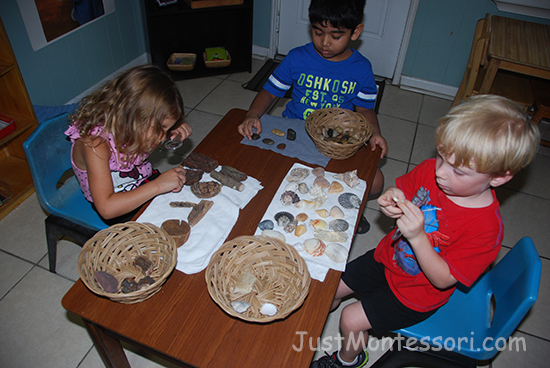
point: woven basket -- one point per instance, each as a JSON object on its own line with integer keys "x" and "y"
{"x": 181, "y": 67}
{"x": 114, "y": 250}
{"x": 217, "y": 63}
{"x": 351, "y": 122}
{"x": 282, "y": 277}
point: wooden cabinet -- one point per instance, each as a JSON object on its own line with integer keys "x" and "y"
{"x": 179, "y": 28}
{"x": 15, "y": 104}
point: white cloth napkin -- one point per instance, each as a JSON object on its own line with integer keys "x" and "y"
{"x": 211, "y": 231}
{"x": 318, "y": 266}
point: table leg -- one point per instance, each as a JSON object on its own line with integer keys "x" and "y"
{"x": 108, "y": 347}
{"x": 489, "y": 78}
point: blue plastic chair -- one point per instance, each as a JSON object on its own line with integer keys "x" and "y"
{"x": 48, "y": 155}
{"x": 483, "y": 317}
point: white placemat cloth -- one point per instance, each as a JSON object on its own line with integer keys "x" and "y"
{"x": 211, "y": 231}
{"x": 317, "y": 266}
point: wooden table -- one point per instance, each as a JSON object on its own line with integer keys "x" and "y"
{"x": 181, "y": 323}
{"x": 517, "y": 46}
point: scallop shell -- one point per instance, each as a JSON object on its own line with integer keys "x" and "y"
{"x": 240, "y": 306}
{"x": 283, "y": 218}
{"x": 350, "y": 178}
{"x": 291, "y": 226}
{"x": 301, "y": 217}
{"x": 318, "y": 224}
{"x": 322, "y": 213}
{"x": 322, "y": 182}
{"x": 349, "y": 200}
{"x": 337, "y": 212}
{"x": 297, "y": 175}
{"x": 335, "y": 187}
{"x": 336, "y": 252}
{"x": 300, "y": 230}
{"x": 274, "y": 234}
{"x": 266, "y": 224}
{"x": 317, "y": 191}
{"x": 338, "y": 225}
{"x": 291, "y": 187}
{"x": 330, "y": 236}
{"x": 318, "y": 171}
{"x": 314, "y": 247}
{"x": 303, "y": 188}
{"x": 268, "y": 309}
{"x": 288, "y": 198}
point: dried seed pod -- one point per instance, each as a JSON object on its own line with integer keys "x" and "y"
{"x": 107, "y": 281}
{"x": 144, "y": 264}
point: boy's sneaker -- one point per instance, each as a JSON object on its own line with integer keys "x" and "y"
{"x": 332, "y": 361}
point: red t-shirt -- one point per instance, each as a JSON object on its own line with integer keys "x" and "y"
{"x": 468, "y": 239}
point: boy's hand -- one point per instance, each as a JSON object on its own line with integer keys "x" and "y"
{"x": 378, "y": 140}
{"x": 171, "y": 180}
{"x": 245, "y": 128}
{"x": 388, "y": 202}
{"x": 411, "y": 223}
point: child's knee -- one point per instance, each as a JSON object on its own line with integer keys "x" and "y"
{"x": 377, "y": 184}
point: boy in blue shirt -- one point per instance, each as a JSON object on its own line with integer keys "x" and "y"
{"x": 325, "y": 73}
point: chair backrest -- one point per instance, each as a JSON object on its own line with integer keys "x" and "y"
{"x": 48, "y": 155}
{"x": 475, "y": 321}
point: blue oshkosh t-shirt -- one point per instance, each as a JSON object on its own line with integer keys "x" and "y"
{"x": 318, "y": 83}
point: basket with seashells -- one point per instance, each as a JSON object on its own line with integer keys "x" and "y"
{"x": 257, "y": 278}
{"x": 338, "y": 133}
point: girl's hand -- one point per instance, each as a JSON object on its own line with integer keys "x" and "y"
{"x": 388, "y": 202}
{"x": 245, "y": 128}
{"x": 184, "y": 131}
{"x": 171, "y": 180}
{"x": 411, "y": 223}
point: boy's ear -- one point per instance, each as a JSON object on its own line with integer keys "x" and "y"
{"x": 499, "y": 180}
{"x": 357, "y": 31}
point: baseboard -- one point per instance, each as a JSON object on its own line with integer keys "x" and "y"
{"x": 428, "y": 87}
{"x": 140, "y": 60}
{"x": 260, "y": 51}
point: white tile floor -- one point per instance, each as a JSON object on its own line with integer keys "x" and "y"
{"x": 35, "y": 330}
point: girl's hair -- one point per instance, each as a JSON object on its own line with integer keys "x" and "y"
{"x": 347, "y": 14}
{"x": 129, "y": 107}
{"x": 488, "y": 133}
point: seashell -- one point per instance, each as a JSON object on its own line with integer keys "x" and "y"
{"x": 318, "y": 171}
{"x": 255, "y": 136}
{"x": 301, "y": 217}
{"x": 297, "y": 174}
{"x": 318, "y": 224}
{"x": 266, "y": 224}
{"x": 337, "y": 212}
{"x": 302, "y": 188}
{"x": 331, "y": 236}
{"x": 274, "y": 234}
{"x": 300, "y": 230}
{"x": 288, "y": 198}
{"x": 322, "y": 212}
{"x": 240, "y": 306}
{"x": 268, "y": 309}
{"x": 336, "y": 252}
{"x": 314, "y": 247}
{"x": 335, "y": 187}
{"x": 244, "y": 283}
{"x": 268, "y": 141}
{"x": 291, "y": 226}
{"x": 338, "y": 225}
{"x": 313, "y": 204}
{"x": 278, "y": 132}
{"x": 350, "y": 178}
{"x": 349, "y": 200}
{"x": 283, "y": 218}
{"x": 317, "y": 191}
{"x": 322, "y": 182}
{"x": 293, "y": 187}
{"x": 107, "y": 281}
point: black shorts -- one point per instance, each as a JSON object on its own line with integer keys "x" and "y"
{"x": 385, "y": 312}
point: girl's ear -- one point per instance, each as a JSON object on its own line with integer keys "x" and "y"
{"x": 357, "y": 31}
{"x": 499, "y": 180}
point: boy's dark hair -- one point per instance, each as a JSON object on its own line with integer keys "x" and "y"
{"x": 346, "y": 14}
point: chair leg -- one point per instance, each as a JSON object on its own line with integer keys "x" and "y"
{"x": 400, "y": 356}
{"x": 56, "y": 226}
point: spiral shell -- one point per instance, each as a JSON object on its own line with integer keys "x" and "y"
{"x": 266, "y": 224}
{"x": 335, "y": 187}
{"x": 300, "y": 230}
{"x": 288, "y": 198}
{"x": 322, "y": 212}
{"x": 303, "y": 188}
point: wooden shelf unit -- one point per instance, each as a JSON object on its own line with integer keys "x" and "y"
{"x": 16, "y": 104}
